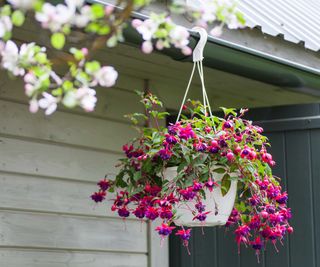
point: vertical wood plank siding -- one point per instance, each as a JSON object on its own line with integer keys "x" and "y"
{"x": 294, "y": 133}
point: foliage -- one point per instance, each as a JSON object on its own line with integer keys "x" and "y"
{"x": 200, "y": 147}
{"x": 104, "y": 25}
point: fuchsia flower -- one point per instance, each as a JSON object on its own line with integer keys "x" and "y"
{"x": 98, "y": 196}
{"x": 201, "y": 147}
{"x": 152, "y": 213}
{"x": 227, "y": 125}
{"x": 184, "y": 234}
{"x": 164, "y": 229}
{"x": 210, "y": 184}
{"x": 186, "y": 133}
{"x": 104, "y": 184}
{"x": 165, "y": 154}
{"x": 123, "y": 212}
{"x": 201, "y": 216}
{"x": 188, "y": 193}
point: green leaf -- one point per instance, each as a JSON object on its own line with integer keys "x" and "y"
{"x": 17, "y": 18}
{"x": 219, "y": 170}
{"x": 97, "y": 11}
{"x": 58, "y": 40}
{"x": 225, "y": 184}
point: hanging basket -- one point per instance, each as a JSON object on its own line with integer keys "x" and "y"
{"x": 218, "y": 206}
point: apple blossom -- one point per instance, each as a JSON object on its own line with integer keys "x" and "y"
{"x": 23, "y": 4}
{"x": 48, "y": 102}
{"x": 5, "y": 25}
{"x": 106, "y": 76}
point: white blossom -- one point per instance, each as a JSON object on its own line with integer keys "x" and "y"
{"x": 33, "y": 105}
{"x": 179, "y": 36}
{"x": 48, "y": 102}
{"x": 83, "y": 18}
{"x": 87, "y": 98}
{"x": 106, "y": 76}
{"x": 10, "y": 58}
{"x": 5, "y": 25}
{"x": 55, "y": 17}
{"x": 147, "y": 47}
{"x": 147, "y": 29}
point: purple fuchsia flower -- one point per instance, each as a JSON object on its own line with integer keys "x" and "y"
{"x": 200, "y": 207}
{"x": 128, "y": 150}
{"x": 123, "y": 212}
{"x": 171, "y": 139}
{"x": 98, "y": 196}
{"x": 164, "y": 229}
{"x": 227, "y": 125}
{"x": 200, "y": 147}
{"x": 286, "y": 213}
{"x": 282, "y": 198}
{"x": 210, "y": 184}
{"x": 184, "y": 234}
{"x": 222, "y": 143}
{"x": 254, "y": 222}
{"x": 140, "y": 212}
{"x": 188, "y": 193}
{"x": 242, "y": 233}
{"x": 257, "y": 245}
{"x": 266, "y": 232}
{"x": 152, "y": 213}
{"x": 173, "y": 128}
{"x": 104, "y": 184}
{"x": 197, "y": 186}
{"x": 166, "y": 213}
{"x": 165, "y": 153}
{"x": 202, "y": 216}
{"x": 254, "y": 200}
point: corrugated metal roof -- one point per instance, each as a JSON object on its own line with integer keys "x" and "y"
{"x": 297, "y": 20}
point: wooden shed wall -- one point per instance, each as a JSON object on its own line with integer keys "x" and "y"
{"x": 49, "y": 166}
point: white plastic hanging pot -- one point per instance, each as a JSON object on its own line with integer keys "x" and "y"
{"x": 219, "y": 206}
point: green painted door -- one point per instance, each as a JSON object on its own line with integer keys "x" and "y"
{"x": 294, "y": 132}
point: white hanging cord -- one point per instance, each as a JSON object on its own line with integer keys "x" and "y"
{"x": 187, "y": 90}
{"x": 197, "y": 59}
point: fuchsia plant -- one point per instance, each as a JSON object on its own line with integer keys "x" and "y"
{"x": 200, "y": 147}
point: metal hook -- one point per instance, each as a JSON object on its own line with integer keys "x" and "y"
{"x": 198, "y": 51}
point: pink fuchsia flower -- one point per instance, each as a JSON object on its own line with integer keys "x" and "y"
{"x": 230, "y": 156}
{"x": 164, "y": 229}
{"x": 187, "y": 132}
{"x": 184, "y": 234}
{"x": 210, "y": 184}
{"x": 98, "y": 196}
{"x": 197, "y": 186}
{"x": 290, "y": 230}
{"x": 282, "y": 199}
{"x": 152, "y": 213}
{"x": 254, "y": 200}
{"x": 166, "y": 213}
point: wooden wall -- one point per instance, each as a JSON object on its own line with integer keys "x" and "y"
{"x": 49, "y": 166}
